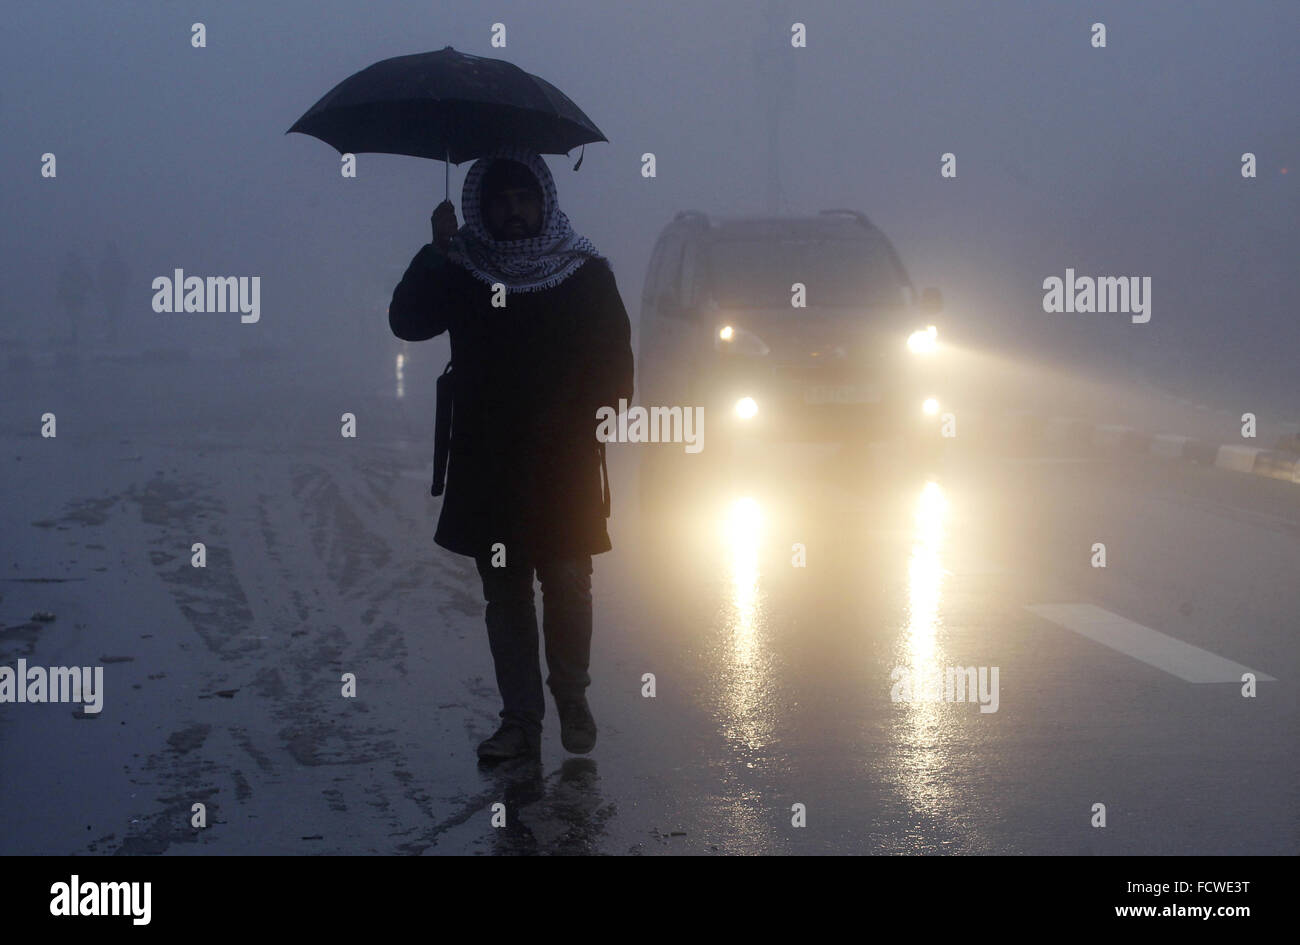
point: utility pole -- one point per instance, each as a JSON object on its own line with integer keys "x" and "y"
{"x": 772, "y": 67}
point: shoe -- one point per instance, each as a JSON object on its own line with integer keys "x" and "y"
{"x": 577, "y": 727}
{"x": 511, "y": 740}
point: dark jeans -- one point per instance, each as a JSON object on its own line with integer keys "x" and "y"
{"x": 512, "y": 631}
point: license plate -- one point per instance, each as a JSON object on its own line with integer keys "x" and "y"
{"x": 840, "y": 394}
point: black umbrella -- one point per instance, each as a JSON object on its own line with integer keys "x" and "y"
{"x": 449, "y": 106}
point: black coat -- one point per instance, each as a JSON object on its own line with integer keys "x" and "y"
{"x": 525, "y": 466}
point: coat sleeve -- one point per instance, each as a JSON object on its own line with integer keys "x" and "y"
{"x": 611, "y": 377}
{"x": 423, "y": 299}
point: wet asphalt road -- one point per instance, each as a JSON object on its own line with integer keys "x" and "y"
{"x": 791, "y": 667}
{"x": 772, "y": 681}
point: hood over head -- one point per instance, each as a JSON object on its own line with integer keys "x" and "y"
{"x": 526, "y": 265}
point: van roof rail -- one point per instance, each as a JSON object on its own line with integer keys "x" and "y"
{"x": 692, "y": 216}
{"x": 855, "y": 214}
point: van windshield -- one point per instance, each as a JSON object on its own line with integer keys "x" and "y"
{"x": 837, "y": 272}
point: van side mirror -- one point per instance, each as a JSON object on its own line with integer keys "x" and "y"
{"x": 931, "y": 301}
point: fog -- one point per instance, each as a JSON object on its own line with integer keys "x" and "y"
{"x": 240, "y": 521}
{"x": 1123, "y": 160}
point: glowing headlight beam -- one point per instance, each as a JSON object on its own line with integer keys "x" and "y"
{"x": 923, "y": 341}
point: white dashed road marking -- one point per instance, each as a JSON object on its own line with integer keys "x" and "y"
{"x": 1187, "y": 662}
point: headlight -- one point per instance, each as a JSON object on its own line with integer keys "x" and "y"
{"x": 746, "y": 408}
{"x": 733, "y": 340}
{"x": 924, "y": 340}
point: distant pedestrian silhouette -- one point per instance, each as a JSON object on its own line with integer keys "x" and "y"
{"x": 74, "y": 286}
{"x": 114, "y": 279}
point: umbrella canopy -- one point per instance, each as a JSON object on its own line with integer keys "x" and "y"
{"x": 446, "y": 105}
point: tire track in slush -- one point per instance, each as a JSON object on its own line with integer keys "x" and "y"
{"x": 280, "y": 606}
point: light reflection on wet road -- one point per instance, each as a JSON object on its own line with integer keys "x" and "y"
{"x": 774, "y": 681}
{"x": 922, "y": 724}
{"x": 925, "y": 567}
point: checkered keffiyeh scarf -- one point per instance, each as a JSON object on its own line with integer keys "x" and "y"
{"x": 526, "y": 265}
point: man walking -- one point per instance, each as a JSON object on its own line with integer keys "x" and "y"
{"x": 540, "y": 340}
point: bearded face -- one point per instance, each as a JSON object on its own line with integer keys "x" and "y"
{"x": 512, "y": 201}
